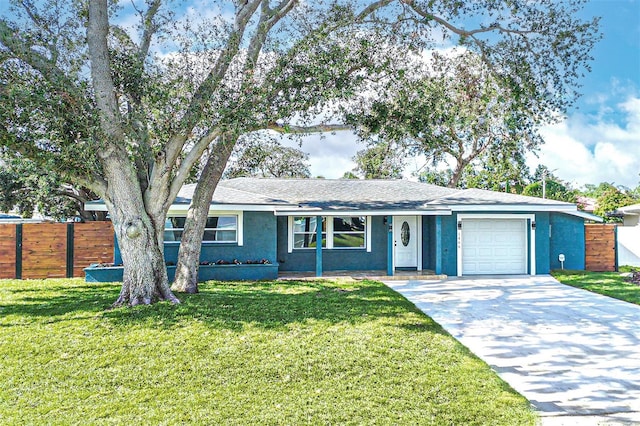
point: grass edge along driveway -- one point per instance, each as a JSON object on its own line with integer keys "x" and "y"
{"x": 284, "y": 353}
{"x": 611, "y": 284}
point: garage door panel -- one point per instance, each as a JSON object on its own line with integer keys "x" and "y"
{"x": 494, "y": 246}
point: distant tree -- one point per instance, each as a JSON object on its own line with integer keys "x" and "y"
{"x": 382, "y": 160}
{"x": 459, "y": 112}
{"x": 349, "y": 175}
{"x": 266, "y": 157}
{"x": 30, "y": 188}
{"x": 544, "y": 184}
{"x": 436, "y": 177}
{"x": 555, "y": 190}
{"x": 595, "y": 191}
{"x": 492, "y": 171}
{"x": 611, "y": 199}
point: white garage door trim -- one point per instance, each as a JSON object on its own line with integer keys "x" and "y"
{"x": 532, "y": 235}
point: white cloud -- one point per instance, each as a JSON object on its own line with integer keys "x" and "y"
{"x": 595, "y": 149}
{"x": 330, "y": 155}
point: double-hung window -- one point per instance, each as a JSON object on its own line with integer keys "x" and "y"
{"x": 218, "y": 229}
{"x": 338, "y": 232}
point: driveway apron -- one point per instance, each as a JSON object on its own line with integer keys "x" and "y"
{"x": 572, "y": 353}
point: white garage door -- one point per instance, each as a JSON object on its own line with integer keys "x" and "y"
{"x": 494, "y": 246}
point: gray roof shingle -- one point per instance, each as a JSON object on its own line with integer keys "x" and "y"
{"x": 476, "y": 196}
{"x": 342, "y": 194}
{"x": 352, "y": 194}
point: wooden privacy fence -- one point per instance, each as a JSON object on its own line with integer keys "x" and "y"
{"x": 53, "y": 250}
{"x": 600, "y": 247}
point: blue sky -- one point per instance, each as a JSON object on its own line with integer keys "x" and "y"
{"x": 600, "y": 139}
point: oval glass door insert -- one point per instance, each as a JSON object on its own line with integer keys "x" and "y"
{"x": 405, "y": 233}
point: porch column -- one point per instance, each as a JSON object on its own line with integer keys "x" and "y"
{"x": 390, "y": 246}
{"x": 438, "y": 245}
{"x": 318, "y": 246}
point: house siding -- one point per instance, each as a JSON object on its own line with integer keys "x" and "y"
{"x": 428, "y": 242}
{"x": 335, "y": 259}
{"x": 567, "y": 237}
{"x": 259, "y": 242}
{"x": 542, "y": 242}
{"x": 449, "y": 245}
{"x": 555, "y": 233}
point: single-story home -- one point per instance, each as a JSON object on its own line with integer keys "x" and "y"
{"x": 384, "y": 225}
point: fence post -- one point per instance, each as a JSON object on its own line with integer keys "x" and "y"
{"x": 19, "y": 251}
{"x": 70, "y": 250}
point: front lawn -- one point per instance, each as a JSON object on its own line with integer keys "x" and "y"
{"x": 610, "y": 284}
{"x": 283, "y": 353}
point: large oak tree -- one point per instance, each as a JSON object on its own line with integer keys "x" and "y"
{"x": 127, "y": 110}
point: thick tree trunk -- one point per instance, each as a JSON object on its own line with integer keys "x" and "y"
{"x": 140, "y": 236}
{"x": 145, "y": 274}
{"x": 186, "y": 279}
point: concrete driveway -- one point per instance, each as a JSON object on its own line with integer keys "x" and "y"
{"x": 574, "y": 354}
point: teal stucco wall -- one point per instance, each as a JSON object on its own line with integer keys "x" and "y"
{"x": 259, "y": 243}
{"x": 567, "y": 237}
{"x": 335, "y": 259}
{"x": 555, "y": 233}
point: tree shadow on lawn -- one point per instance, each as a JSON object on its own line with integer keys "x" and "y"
{"x": 272, "y": 305}
{"x": 57, "y": 302}
{"x": 231, "y": 306}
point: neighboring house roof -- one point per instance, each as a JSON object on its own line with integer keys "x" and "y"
{"x": 633, "y": 209}
{"x": 377, "y": 197}
{"x": 9, "y": 216}
{"x": 15, "y": 219}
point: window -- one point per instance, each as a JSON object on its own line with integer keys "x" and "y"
{"x": 339, "y": 232}
{"x": 304, "y": 232}
{"x": 218, "y": 229}
{"x": 349, "y": 232}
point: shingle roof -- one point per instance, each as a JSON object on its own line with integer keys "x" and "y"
{"x": 353, "y": 194}
{"x": 476, "y": 196}
{"x": 228, "y": 195}
{"x": 632, "y": 209}
{"x": 342, "y": 194}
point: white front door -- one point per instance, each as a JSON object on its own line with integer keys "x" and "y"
{"x": 405, "y": 241}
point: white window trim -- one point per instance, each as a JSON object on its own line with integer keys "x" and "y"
{"x": 329, "y": 233}
{"x": 239, "y": 226}
{"x": 532, "y": 236}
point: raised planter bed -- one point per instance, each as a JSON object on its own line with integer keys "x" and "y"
{"x": 229, "y": 272}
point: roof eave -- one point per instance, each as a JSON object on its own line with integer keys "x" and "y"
{"x": 316, "y": 211}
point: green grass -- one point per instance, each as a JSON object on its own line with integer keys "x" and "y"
{"x": 239, "y": 354}
{"x": 610, "y": 284}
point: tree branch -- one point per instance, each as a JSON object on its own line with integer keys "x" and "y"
{"x": 149, "y": 29}
{"x": 97, "y": 32}
{"x": 189, "y": 161}
{"x": 165, "y": 162}
{"x": 268, "y": 19}
{"x": 39, "y": 62}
